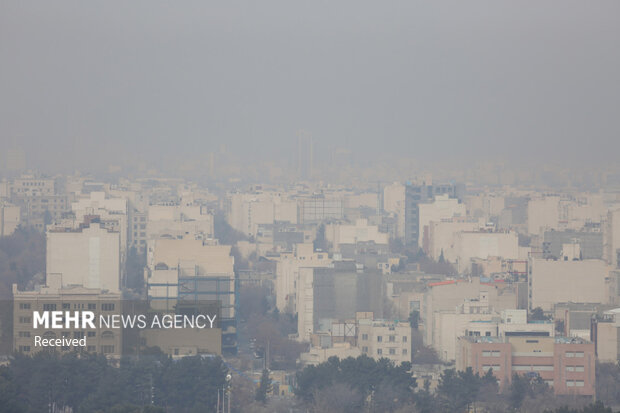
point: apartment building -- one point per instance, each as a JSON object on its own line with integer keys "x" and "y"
{"x": 581, "y": 281}
{"x": 193, "y": 270}
{"x": 88, "y": 256}
{"x": 566, "y": 364}
{"x": 55, "y": 296}
{"x": 385, "y": 339}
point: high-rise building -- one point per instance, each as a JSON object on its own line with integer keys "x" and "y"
{"x": 305, "y": 155}
{"x": 421, "y": 194}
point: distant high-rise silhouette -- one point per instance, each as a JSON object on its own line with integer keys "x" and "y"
{"x": 305, "y": 154}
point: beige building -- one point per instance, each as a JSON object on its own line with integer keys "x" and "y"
{"x": 446, "y": 296}
{"x": 317, "y": 355}
{"x": 56, "y": 297}
{"x": 443, "y": 207}
{"x": 195, "y": 270}
{"x": 480, "y": 244}
{"x": 361, "y": 231}
{"x": 9, "y": 218}
{"x": 179, "y": 343}
{"x": 385, "y": 339}
{"x": 288, "y": 270}
{"x": 441, "y": 235}
{"x": 112, "y": 213}
{"x": 606, "y": 336}
{"x": 543, "y": 214}
{"x": 611, "y": 247}
{"x": 177, "y": 221}
{"x": 31, "y": 185}
{"x": 248, "y": 210}
{"x": 394, "y": 203}
{"x": 88, "y": 256}
{"x": 579, "y": 281}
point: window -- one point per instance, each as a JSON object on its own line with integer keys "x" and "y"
{"x": 24, "y": 306}
{"x": 24, "y": 349}
{"x": 487, "y": 367}
{"x": 392, "y": 339}
{"x": 49, "y": 307}
{"x": 66, "y": 306}
{"x": 488, "y": 334}
{"x": 364, "y": 336}
{"x": 579, "y": 383}
{"x": 579, "y": 354}
{"x": 24, "y": 333}
{"x": 78, "y": 334}
{"x": 542, "y": 368}
{"x": 107, "y": 334}
{"x": 91, "y": 334}
{"x": 107, "y": 349}
{"x": 379, "y": 351}
{"x": 91, "y": 349}
{"x": 379, "y": 339}
{"x": 404, "y": 339}
{"x": 392, "y": 351}
{"x": 107, "y": 307}
{"x": 176, "y": 351}
{"x": 579, "y": 368}
{"x": 365, "y": 349}
{"x": 404, "y": 352}
{"x": 25, "y": 320}
{"x": 92, "y": 306}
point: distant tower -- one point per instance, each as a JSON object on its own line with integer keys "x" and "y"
{"x": 305, "y": 155}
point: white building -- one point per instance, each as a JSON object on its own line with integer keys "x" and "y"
{"x": 443, "y": 207}
{"x": 482, "y": 244}
{"x": 543, "y": 214}
{"x": 112, "y": 213}
{"x": 442, "y": 235}
{"x": 288, "y": 270}
{"x": 552, "y": 282}
{"x": 385, "y": 339}
{"x": 9, "y": 218}
{"x": 88, "y": 256}
{"x": 338, "y": 234}
{"x": 249, "y": 210}
{"x": 611, "y": 248}
{"x": 394, "y": 202}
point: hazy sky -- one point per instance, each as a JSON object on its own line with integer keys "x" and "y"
{"x": 107, "y": 78}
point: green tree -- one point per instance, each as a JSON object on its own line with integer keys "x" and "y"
{"x": 264, "y": 387}
{"x": 414, "y": 319}
{"x": 537, "y": 314}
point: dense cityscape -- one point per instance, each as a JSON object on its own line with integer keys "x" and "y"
{"x": 322, "y": 207}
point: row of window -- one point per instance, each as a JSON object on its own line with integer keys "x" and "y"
{"x": 391, "y": 351}
{"x": 532, "y": 368}
{"x": 496, "y": 367}
{"x": 493, "y": 353}
{"x": 391, "y": 339}
{"x": 574, "y": 383}
{"x": 107, "y": 349}
{"x": 574, "y": 354}
{"x": 67, "y": 306}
